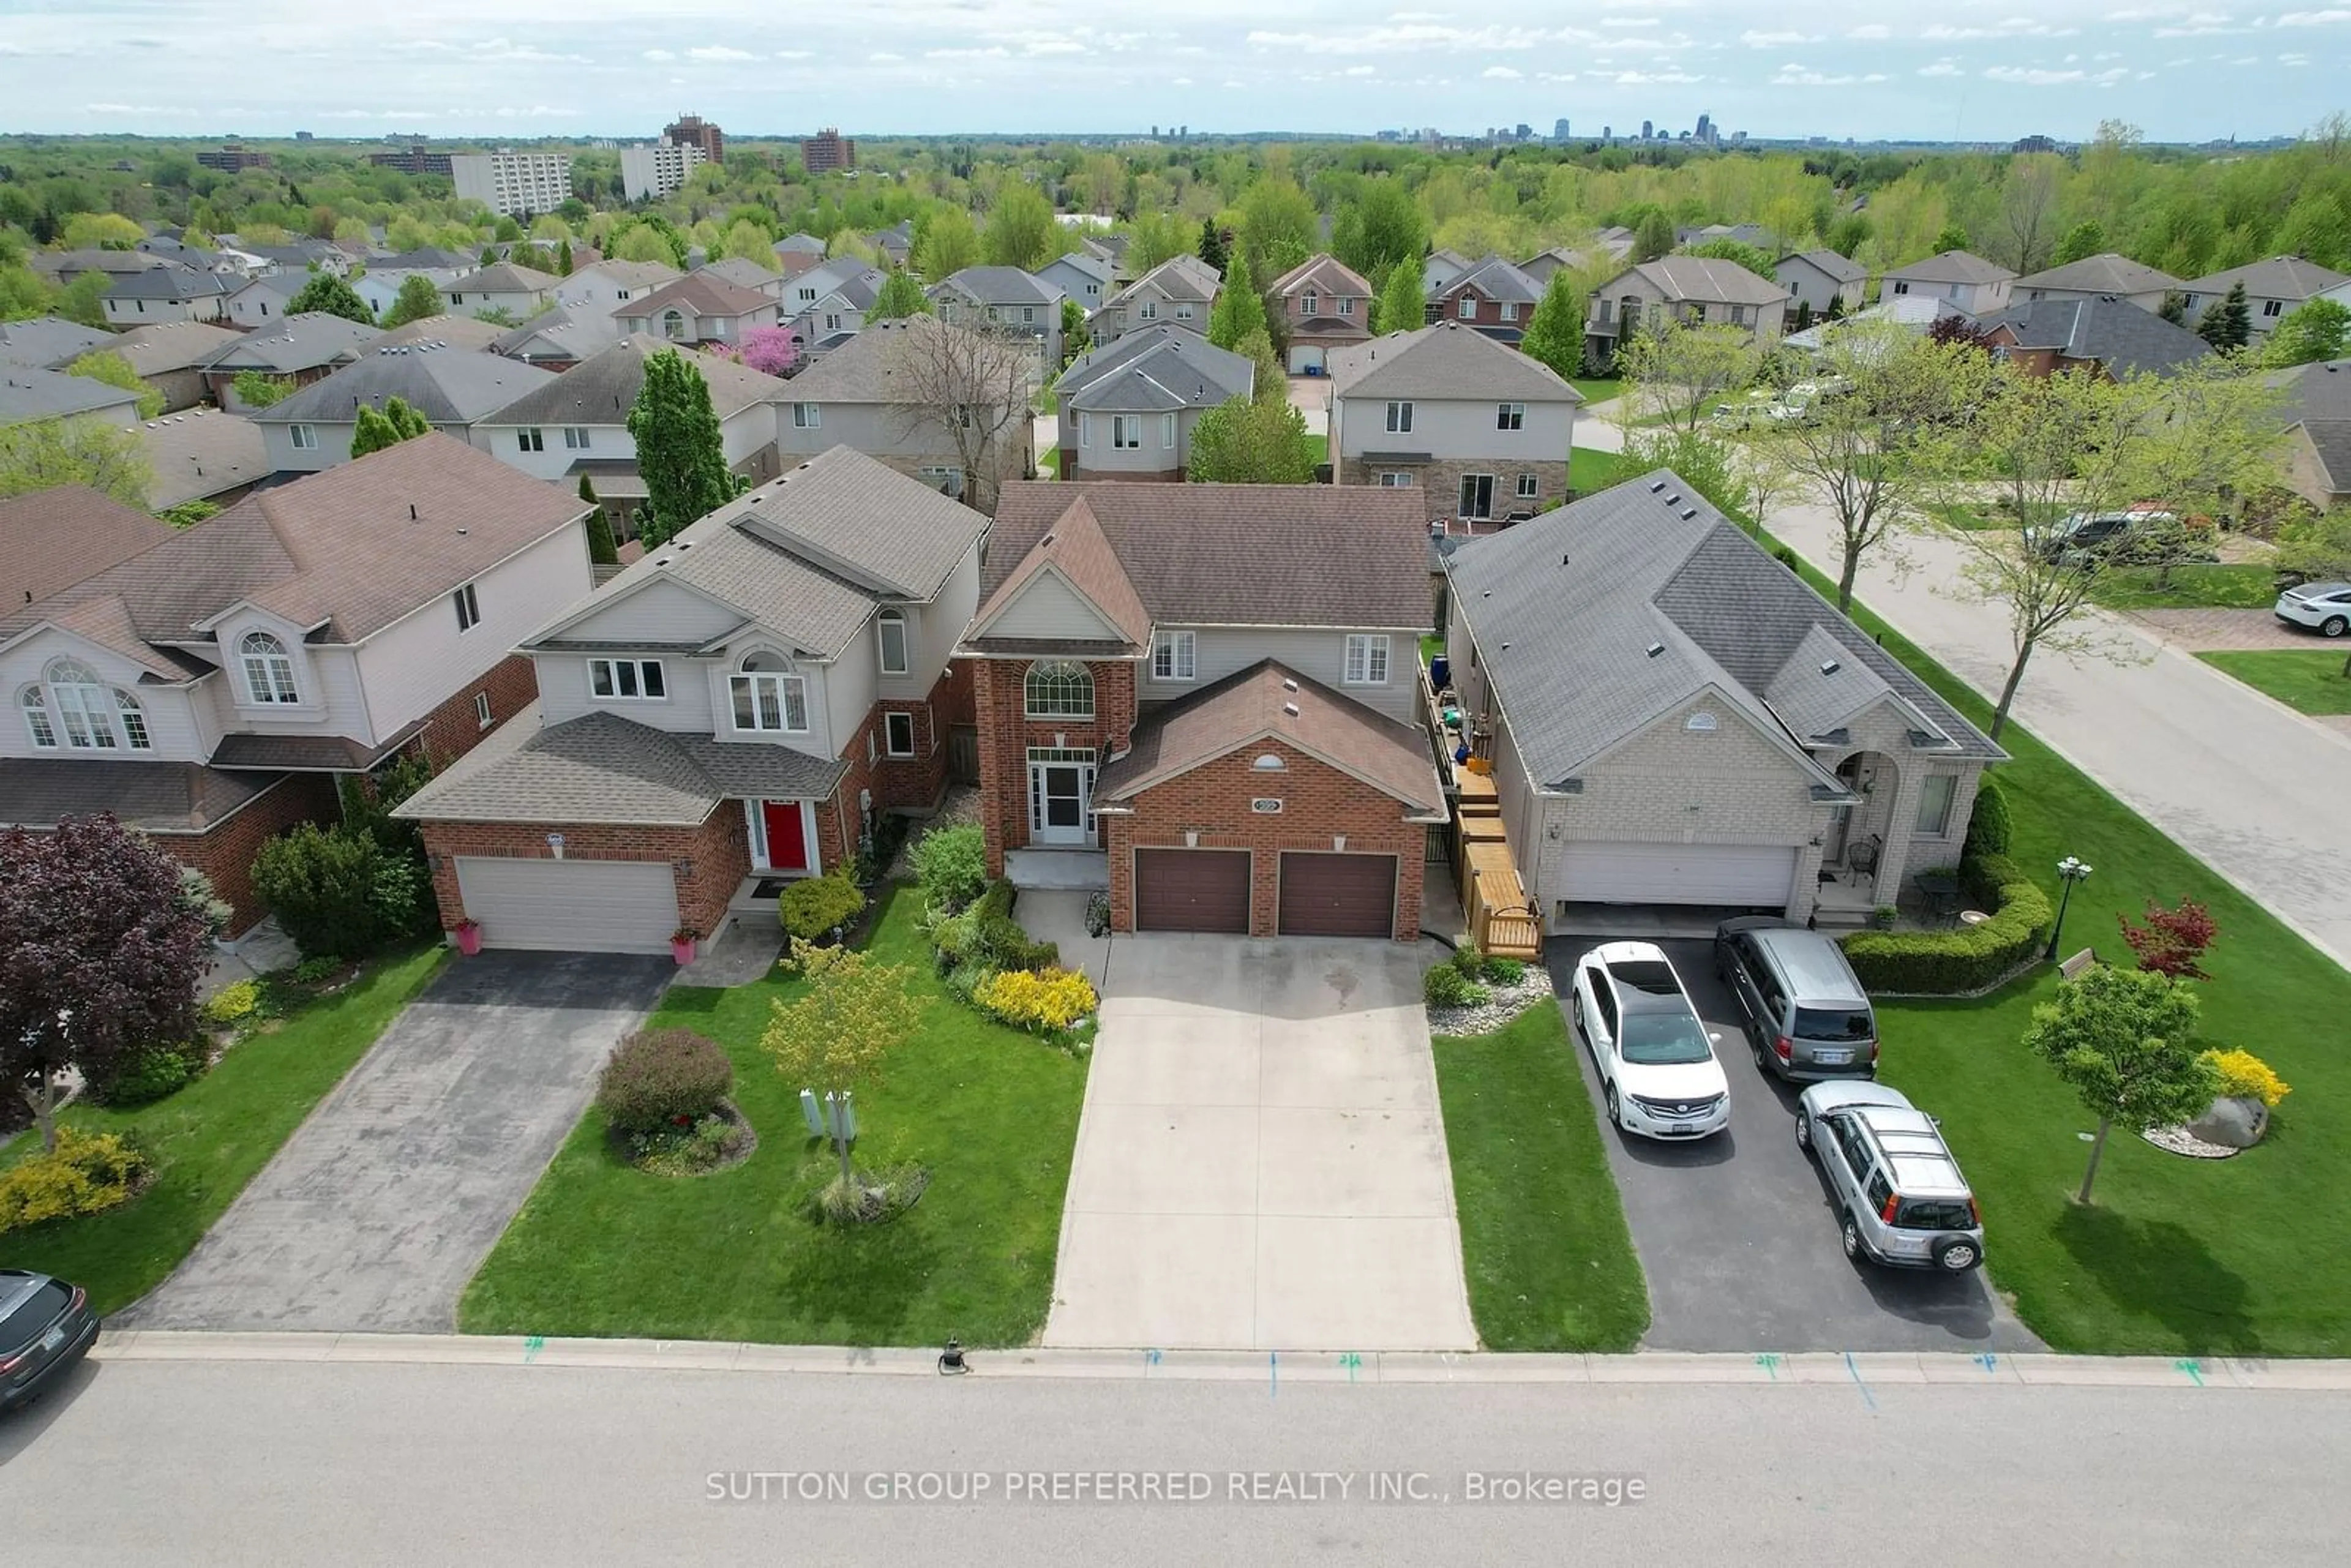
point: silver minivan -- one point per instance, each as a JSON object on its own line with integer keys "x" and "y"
{"x": 1807, "y": 1017}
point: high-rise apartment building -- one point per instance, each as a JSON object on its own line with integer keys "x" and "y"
{"x": 233, "y": 157}
{"x": 658, "y": 170}
{"x": 514, "y": 183}
{"x": 1559, "y": 131}
{"x": 827, "y": 150}
{"x": 693, "y": 130}
{"x": 415, "y": 160}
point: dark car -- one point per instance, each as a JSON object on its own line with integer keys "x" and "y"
{"x": 1807, "y": 1014}
{"x": 46, "y": 1327}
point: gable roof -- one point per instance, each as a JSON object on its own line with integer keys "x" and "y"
{"x": 1001, "y": 285}
{"x": 1231, "y": 555}
{"x": 805, "y": 243}
{"x": 448, "y": 386}
{"x": 1183, "y": 277}
{"x": 2318, "y": 390}
{"x": 627, "y": 274}
{"x": 863, "y": 366}
{"x": 603, "y": 387}
{"x": 172, "y": 283}
{"x": 558, "y": 332}
{"x": 1595, "y": 621}
{"x": 1705, "y": 279}
{"x": 1097, "y": 268}
{"x": 336, "y": 551}
{"x": 742, "y": 272}
{"x": 51, "y": 539}
{"x": 468, "y": 332}
{"x": 1269, "y": 702}
{"x": 1951, "y": 266}
{"x": 1079, "y": 555}
{"x": 1496, "y": 279}
{"x": 1445, "y": 360}
{"x": 161, "y": 347}
{"x": 2279, "y": 277}
{"x": 1158, "y": 369}
{"x": 506, "y": 278}
{"x": 2330, "y": 443}
{"x": 300, "y": 342}
{"x": 1327, "y": 274}
{"x": 700, "y": 293}
{"x": 2115, "y": 332}
{"x": 424, "y": 258}
{"x": 2106, "y": 273}
{"x": 201, "y": 452}
{"x": 50, "y": 342}
{"x": 809, "y": 556}
{"x": 27, "y": 395}
{"x": 1829, "y": 263}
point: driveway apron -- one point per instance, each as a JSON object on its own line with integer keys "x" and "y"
{"x": 379, "y": 1209}
{"x": 1261, "y": 1163}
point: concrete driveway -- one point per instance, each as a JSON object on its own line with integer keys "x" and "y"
{"x": 1736, "y": 1232}
{"x": 378, "y": 1211}
{"x": 1260, "y": 1164}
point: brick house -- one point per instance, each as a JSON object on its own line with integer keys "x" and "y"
{"x": 1328, "y": 306}
{"x": 1493, "y": 296}
{"x": 1169, "y": 708}
{"x": 2103, "y": 335}
{"x": 1695, "y": 290}
{"x": 733, "y": 712}
{"x": 1479, "y": 430}
{"x": 208, "y": 687}
{"x": 1673, "y": 718}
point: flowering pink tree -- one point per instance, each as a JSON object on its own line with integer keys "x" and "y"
{"x": 770, "y": 350}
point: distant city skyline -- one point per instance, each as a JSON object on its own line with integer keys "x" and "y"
{"x": 599, "y": 68}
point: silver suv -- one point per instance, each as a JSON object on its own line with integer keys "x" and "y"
{"x": 1903, "y": 1201}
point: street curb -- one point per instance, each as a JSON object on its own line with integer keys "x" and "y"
{"x": 1865, "y": 1368}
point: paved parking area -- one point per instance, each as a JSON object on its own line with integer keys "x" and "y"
{"x": 1260, "y": 1164}
{"x": 2204, "y": 631}
{"x": 378, "y": 1211}
{"x": 1736, "y": 1233}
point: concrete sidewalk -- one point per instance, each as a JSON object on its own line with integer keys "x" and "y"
{"x": 2253, "y": 789}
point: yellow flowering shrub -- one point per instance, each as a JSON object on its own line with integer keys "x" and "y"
{"x": 1050, "y": 998}
{"x": 234, "y": 1004}
{"x": 86, "y": 1173}
{"x": 2244, "y": 1076}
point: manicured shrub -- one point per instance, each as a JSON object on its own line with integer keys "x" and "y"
{"x": 662, "y": 1077}
{"x": 1040, "y": 1001}
{"x": 1446, "y": 987}
{"x": 1001, "y": 942}
{"x": 311, "y": 971}
{"x": 1992, "y": 826}
{"x": 2244, "y": 1076}
{"x": 816, "y": 909}
{"x": 1969, "y": 957}
{"x": 234, "y": 1004}
{"x": 951, "y": 864}
{"x": 86, "y": 1172}
{"x": 1502, "y": 971}
{"x": 1467, "y": 959}
{"x": 149, "y": 1073}
{"x": 337, "y": 890}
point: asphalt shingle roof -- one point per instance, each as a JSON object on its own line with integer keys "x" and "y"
{"x": 862, "y": 366}
{"x": 2106, "y": 272}
{"x": 155, "y": 796}
{"x": 1183, "y": 277}
{"x": 1156, "y": 371}
{"x": 2115, "y": 332}
{"x": 2279, "y": 277}
{"x": 1497, "y": 280}
{"x": 1838, "y": 268}
{"x": 1951, "y": 266}
{"x": 1708, "y": 280}
{"x": 601, "y": 389}
{"x": 1001, "y": 285}
{"x": 741, "y": 272}
{"x": 1328, "y": 274}
{"x": 2330, "y": 439}
{"x": 49, "y": 342}
{"x": 162, "y": 347}
{"x": 1446, "y": 361}
{"x": 27, "y": 394}
{"x": 170, "y": 283}
{"x": 506, "y": 278}
{"x": 699, "y": 293}
{"x": 300, "y": 342}
{"x": 465, "y": 332}
{"x": 448, "y": 386}
{"x": 201, "y": 452}
{"x": 51, "y": 539}
{"x": 1567, "y": 607}
{"x": 2320, "y": 390}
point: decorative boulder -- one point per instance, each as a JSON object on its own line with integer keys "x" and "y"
{"x": 2235, "y": 1121}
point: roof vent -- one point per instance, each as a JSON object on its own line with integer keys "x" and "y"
{"x": 1656, "y": 649}
{"x": 1289, "y": 708}
{"x": 1675, "y": 500}
{"x": 1289, "y": 685}
{"x": 412, "y": 511}
{"x": 1563, "y": 558}
{"x": 1656, "y": 486}
{"x": 1688, "y": 512}
{"x": 1045, "y": 543}
{"x": 1830, "y": 666}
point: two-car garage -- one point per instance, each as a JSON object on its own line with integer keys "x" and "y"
{"x": 1317, "y": 893}
{"x": 1719, "y": 876}
{"x": 570, "y": 906}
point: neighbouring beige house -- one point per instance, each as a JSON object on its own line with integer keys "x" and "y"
{"x": 1178, "y": 291}
{"x": 2274, "y": 289}
{"x": 1482, "y": 430}
{"x": 1127, "y": 410}
{"x": 1821, "y": 278}
{"x": 1695, "y": 290}
{"x": 1976, "y": 285}
{"x": 2097, "y": 277}
{"x": 851, "y": 398}
{"x": 1675, "y": 719}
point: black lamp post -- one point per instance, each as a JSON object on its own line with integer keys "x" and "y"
{"x": 2070, "y": 871}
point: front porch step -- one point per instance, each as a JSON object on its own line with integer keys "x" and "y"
{"x": 1825, "y": 918}
{"x": 1064, "y": 871}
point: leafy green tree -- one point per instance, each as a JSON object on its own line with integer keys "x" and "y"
{"x": 680, "y": 449}
{"x": 44, "y": 453}
{"x": 330, "y": 293}
{"x": 2230, "y": 324}
{"x": 2318, "y": 548}
{"x": 84, "y": 299}
{"x": 1654, "y": 237}
{"x": 416, "y": 300}
{"x": 1077, "y": 334}
{"x": 563, "y": 259}
{"x": 1954, "y": 237}
{"x": 848, "y": 242}
{"x": 373, "y": 431}
{"x": 642, "y": 242}
{"x": 1555, "y": 334}
{"x": 1244, "y": 441}
{"x": 188, "y": 514}
{"x": 1754, "y": 258}
{"x": 1848, "y": 234}
{"x": 1152, "y": 238}
{"x": 1403, "y": 305}
{"x": 1279, "y": 225}
{"x": 602, "y": 550}
{"x": 837, "y": 1033}
{"x": 101, "y": 231}
{"x": 258, "y": 390}
{"x": 1211, "y": 248}
{"x": 945, "y": 244}
{"x": 899, "y": 297}
{"x": 2084, "y": 239}
{"x": 1238, "y": 310}
{"x": 2174, "y": 309}
{"x": 1272, "y": 381}
{"x": 1022, "y": 231}
{"x": 106, "y": 365}
{"x": 1680, "y": 371}
{"x": 2320, "y": 329}
{"x": 1703, "y": 464}
{"x": 2125, "y": 1039}
{"x": 1379, "y": 230}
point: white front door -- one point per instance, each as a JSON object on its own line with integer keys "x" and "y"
{"x": 1060, "y": 802}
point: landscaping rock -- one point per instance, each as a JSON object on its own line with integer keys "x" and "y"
{"x": 1502, "y": 1004}
{"x": 2236, "y": 1122}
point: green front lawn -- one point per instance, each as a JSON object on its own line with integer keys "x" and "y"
{"x": 212, "y": 1137}
{"x": 1549, "y": 1262}
{"x": 1597, "y": 389}
{"x": 1318, "y": 449}
{"x": 2315, "y": 681}
{"x": 1048, "y": 466}
{"x": 2238, "y": 585}
{"x": 1589, "y": 470}
{"x": 602, "y": 1250}
{"x": 2175, "y": 1256}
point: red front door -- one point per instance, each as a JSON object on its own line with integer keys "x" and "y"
{"x": 787, "y": 835}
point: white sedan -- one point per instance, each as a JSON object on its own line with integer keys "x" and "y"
{"x": 1657, "y": 1067}
{"x": 2321, "y": 607}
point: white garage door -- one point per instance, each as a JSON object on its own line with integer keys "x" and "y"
{"x": 571, "y": 907}
{"x": 1305, "y": 358}
{"x": 1719, "y": 874}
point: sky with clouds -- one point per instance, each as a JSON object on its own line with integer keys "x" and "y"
{"x": 537, "y": 67}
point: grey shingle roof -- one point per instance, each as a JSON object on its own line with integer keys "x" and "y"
{"x": 170, "y": 283}
{"x": 2115, "y": 332}
{"x": 631, "y": 275}
{"x": 2104, "y": 273}
{"x": 861, "y": 368}
{"x": 451, "y": 332}
{"x": 162, "y": 347}
{"x": 448, "y": 386}
{"x": 559, "y": 332}
{"x": 601, "y": 767}
{"x": 201, "y": 452}
{"x": 1327, "y": 273}
{"x": 2320, "y": 390}
{"x": 27, "y": 395}
{"x": 1839, "y": 268}
{"x": 300, "y": 342}
{"x": 601, "y": 389}
{"x": 742, "y": 272}
{"x": 49, "y": 342}
{"x": 506, "y": 278}
{"x": 700, "y": 293}
{"x": 1498, "y": 280}
{"x": 1446, "y": 361}
{"x": 2279, "y": 277}
{"x": 806, "y": 244}
{"x": 2330, "y": 440}
{"x": 424, "y": 258}
{"x": 1951, "y": 266}
{"x": 1567, "y": 642}
{"x": 1183, "y": 277}
{"x": 1154, "y": 371}
{"x": 1001, "y": 285}
{"x": 1708, "y": 280}
{"x": 1241, "y": 555}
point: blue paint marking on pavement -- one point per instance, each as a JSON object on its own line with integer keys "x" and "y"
{"x": 2194, "y": 1369}
{"x": 1769, "y": 1361}
{"x": 1150, "y": 1359}
{"x": 532, "y": 1346}
{"x": 1866, "y": 1398}
{"x": 1273, "y": 1375}
{"x": 1989, "y": 1361}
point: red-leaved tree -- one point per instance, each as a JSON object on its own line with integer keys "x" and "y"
{"x": 2172, "y": 940}
{"x": 100, "y": 954}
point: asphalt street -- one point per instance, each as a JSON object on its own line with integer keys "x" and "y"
{"x": 240, "y": 1461}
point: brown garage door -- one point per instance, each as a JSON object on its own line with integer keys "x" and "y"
{"x": 1338, "y": 895}
{"x": 1192, "y": 889}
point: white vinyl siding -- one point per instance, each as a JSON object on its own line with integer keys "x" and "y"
{"x": 1050, "y": 608}
{"x": 627, "y": 680}
{"x": 1367, "y": 659}
{"x": 1174, "y": 655}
